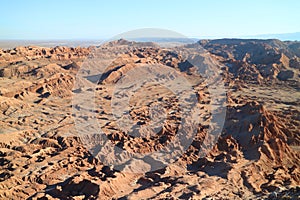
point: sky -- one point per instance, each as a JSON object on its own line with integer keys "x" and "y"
{"x": 88, "y": 19}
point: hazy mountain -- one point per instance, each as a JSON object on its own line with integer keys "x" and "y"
{"x": 280, "y": 36}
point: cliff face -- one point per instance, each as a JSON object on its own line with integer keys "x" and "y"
{"x": 42, "y": 155}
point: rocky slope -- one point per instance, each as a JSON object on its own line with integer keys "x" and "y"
{"x": 42, "y": 156}
{"x": 255, "y": 61}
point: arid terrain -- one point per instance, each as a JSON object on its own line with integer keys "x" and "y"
{"x": 256, "y": 156}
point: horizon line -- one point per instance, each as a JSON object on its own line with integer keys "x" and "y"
{"x": 257, "y": 36}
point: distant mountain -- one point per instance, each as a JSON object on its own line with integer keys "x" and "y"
{"x": 281, "y": 36}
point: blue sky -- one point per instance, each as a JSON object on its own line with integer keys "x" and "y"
{"x": 87, "y": 19}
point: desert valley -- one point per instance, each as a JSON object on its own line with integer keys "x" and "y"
{"x": 257, "y": 154}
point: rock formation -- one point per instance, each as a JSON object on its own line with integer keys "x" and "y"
{"x": 257, "y": 155}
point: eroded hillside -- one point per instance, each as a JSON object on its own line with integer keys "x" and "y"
{"x": 42, "y": 155}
